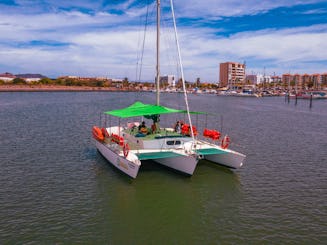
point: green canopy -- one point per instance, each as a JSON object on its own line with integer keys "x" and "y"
{"x": 140, "y": 109}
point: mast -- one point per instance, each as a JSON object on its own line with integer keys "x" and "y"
{"x": 158, "y": 47}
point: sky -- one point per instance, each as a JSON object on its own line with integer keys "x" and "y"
{"x": 93, "y": 38}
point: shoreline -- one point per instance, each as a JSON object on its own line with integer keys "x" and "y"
{"x": 58, "y": 88}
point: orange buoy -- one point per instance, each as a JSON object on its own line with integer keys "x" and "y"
{"x": 117, "y": 139}
{"x": 215, "y": 135}
{"x": 126, "y": 149}
{"x": 225, "y": 142}
{"x": 105, "y": 132}
{"x": 207, "y": 132}
{"x": 97, "y": 133}
{"x": 195, "y": 131}
{"x": 186, "y": 130}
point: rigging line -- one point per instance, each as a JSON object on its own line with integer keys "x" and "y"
{"x": 182, "y": 72}
{"x": 137, "y": 53}
{"x": 168, "y": 40}
{"x": 138, "y": 56}
{"x": 144, "y": 35}
{"x": 169, "y": 44}
{"x": 171, "y": 58}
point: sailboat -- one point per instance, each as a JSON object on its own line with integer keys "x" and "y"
{"x": 181, "y": 148}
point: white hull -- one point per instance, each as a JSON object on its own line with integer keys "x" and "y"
{"x": 185, "y": 164}
{"x": 231, "y": 159}
{"x": 182, "y": 157}
{"x": 226, "y": 157}
{"x": 129, "y": 165}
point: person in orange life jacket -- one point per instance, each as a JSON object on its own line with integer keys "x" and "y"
{"x": 143, "y": 129}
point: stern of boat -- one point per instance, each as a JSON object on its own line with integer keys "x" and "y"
{"x": 129, "y": 164}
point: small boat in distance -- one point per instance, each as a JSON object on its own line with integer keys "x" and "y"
{"x": 243, "y": 93}
{"x": 311, "y": 95}
{"x": 314, "y": 95}
{"x": 180, "y": 147}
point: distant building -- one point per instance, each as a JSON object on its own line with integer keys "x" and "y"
{"x": 264, "y": 78}
{"x": 231, "y": 74}
{"x": 7, "y": 77}
{"x": 88, "y": 78}
{"x": 30, "y": 77}
{"x": 306, "y": 78}
{"x": 117, "y": 80}
{"x": 257, "y": 79}
{"x": 323, "y": 79}
{"x": 286, "y": 79}
{"x": 168, "y": 80}
{"x": 276, "y": 79}
{"x": 289, "y": 81}
{"x": 297, "y": 80}
{"x": 251, "y": 79}
{"x": 316, "y": 80}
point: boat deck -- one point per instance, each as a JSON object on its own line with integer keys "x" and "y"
{"x": 159, "y": 134}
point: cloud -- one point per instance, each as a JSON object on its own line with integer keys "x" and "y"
{"x": 213, "y": 8}
{"x": 275, "y": 48}
{"x": 91, "y": 40}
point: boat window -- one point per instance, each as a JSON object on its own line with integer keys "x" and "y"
{"x": 173, "y": 142}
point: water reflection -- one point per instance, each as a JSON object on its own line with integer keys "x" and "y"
{"x": 167, "y": 203}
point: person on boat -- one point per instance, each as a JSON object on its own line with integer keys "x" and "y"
{"x": 155, "y": 127}
{"x": 177, "y": 127}
{"x": 181, "y": 126}
{"x": 143, "y": 129}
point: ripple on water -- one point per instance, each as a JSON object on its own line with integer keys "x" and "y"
{"x": 56, "y": 188}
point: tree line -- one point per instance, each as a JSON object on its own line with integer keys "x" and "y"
{"x": 60, "y": 81}
{"x": 95, "y": 82}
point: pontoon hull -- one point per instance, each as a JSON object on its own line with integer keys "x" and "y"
{"x": 129, "y": 165}
{"x": 229, "y": 159}
{"x": 176, "y": 152}
{"x": 184, "y": 164}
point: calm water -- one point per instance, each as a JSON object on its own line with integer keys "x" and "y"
{"x": 55, "y": 188}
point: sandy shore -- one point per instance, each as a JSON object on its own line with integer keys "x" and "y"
{"x": 55, "y": 88}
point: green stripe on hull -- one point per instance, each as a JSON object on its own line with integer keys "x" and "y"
{"x": 157, "y": 155}
{"x": 210, "y": 151}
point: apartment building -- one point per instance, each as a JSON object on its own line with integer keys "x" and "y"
{"x": 231, "y": 74}
{"x": 276, "y": 79}
{"x": 316, "y": 81}
{"x": 299, "y": 81}
{"x": 323, "y": 79}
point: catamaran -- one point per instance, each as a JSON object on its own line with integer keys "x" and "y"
{"x": 127, "y": 145}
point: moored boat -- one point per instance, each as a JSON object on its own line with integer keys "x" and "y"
{"x": 129, "y": 143}
{"x": 309, "y": 95}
